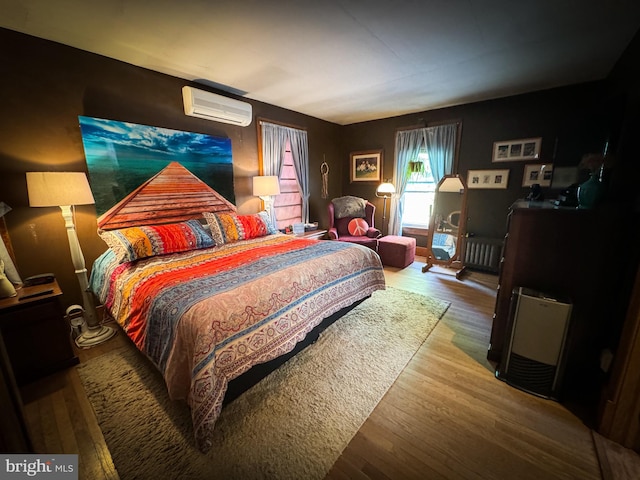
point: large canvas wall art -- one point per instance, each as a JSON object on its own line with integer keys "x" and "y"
{"x": 121, "y": 156}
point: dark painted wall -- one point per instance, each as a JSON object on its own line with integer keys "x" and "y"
{"x": 573, "y": 117}
{"x": 624, "y": 186}
{"x": 624, "y": 92}
{"x": 44, "y": 86}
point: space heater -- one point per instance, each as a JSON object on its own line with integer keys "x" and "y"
{"x": 533, "y": 356}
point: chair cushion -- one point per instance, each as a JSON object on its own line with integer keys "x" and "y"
{"x": 372, "y": 243}
{"x": 358, "y": 227}
{"x": 342, "y": 225}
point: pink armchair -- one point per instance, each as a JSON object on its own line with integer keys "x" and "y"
{"x": 339, "y": 227}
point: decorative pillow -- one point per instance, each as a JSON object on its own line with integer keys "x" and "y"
{"x": 358, "y": 227}
{"x": 349, "y": 207}
{"x": 230, "y": 227}
{"x": 267, "y": 219}
{"x": 135, "y": 243}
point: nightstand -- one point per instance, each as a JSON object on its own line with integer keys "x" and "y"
{"x": 36, "y": 336}
{"x": 317, "y": 234}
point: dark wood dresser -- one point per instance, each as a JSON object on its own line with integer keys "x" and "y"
{"x": 579, "y": 254}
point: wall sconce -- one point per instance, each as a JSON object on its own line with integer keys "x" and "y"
{"x": 385, "y": 190}
{"x": 265, "y": 187}
{"x": 65, "y": 190}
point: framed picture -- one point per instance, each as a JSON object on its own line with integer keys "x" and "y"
{"x": 487, "y": 178}
{"x": 366, "y": 166}
{"x": 525, "y": 149}
{"x": 207, "y": 157}
{"x": 540, "y": 174}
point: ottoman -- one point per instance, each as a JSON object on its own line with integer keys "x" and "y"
{"x": 397, "y": 251}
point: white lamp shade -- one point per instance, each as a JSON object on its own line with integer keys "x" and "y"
{"x": 53, "y": 189}
{"x": 266, "y": 185}
{"x": 386, "y": 189}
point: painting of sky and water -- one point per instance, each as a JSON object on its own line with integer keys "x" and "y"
{"x": 121, "y": 156}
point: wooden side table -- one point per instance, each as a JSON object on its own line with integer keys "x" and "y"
{"x": 319, "y": 234}
{"x": 36, "y": 336}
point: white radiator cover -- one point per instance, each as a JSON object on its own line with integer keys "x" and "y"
{"x": 483, "y": 253}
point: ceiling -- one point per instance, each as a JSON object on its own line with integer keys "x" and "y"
{"x": 348, "y": 61}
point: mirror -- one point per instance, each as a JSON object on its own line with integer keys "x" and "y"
{"x": 447, "y": 226}
{"x": 454, "y": 219}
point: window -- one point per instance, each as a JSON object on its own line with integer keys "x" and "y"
{"x": 288, "y": 205}
{"x": 419, "y": 194}
{"x": 292, "y": 205}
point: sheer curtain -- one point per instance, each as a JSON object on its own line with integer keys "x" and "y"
{"x": 408, "y": 143}
{"x": 441, "y": 147}
{"x": 440, "y": 143}
{"x": 274, "y": 142}
{"x": 300, "y": 154}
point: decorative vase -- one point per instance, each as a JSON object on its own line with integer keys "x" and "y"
{"x": 591, "y": 192}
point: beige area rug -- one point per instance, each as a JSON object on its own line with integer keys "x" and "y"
{"x": 294, "y": 424}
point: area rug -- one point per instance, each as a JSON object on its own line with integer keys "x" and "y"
{"x": 294, "y": 424}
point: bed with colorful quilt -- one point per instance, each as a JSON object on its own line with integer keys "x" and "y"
{"x": 206, "y": 300}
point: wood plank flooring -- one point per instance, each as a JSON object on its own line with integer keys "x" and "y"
{"x": 446, "y": 416}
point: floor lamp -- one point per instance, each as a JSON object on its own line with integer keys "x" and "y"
{"x": 65, "y": 190}
{"x": 264, "y": 187}
{"x": 385, "y": 190}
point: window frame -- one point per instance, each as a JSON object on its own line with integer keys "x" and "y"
{"x": 259, "y": 121}
{"x": 419, "y": 226}
{"x": 411, "y": 230}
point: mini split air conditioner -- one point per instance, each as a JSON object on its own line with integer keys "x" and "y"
{"x": 198, "y": 103}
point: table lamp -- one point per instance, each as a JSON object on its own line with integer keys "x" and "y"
{"x": 264, "y": 187}
{"x": 65, "y": 190}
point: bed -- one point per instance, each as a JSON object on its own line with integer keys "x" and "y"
{"x": 209, "y": 297}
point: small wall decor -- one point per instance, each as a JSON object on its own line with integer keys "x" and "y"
{"x": 540, "y": 174}
{"x": 324, "y": 172}
{"x": 366, "y": 166}
{"x": 525, "y": 149}
{"x": 488, "y": 178}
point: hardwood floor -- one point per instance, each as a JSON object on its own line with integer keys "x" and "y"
{"x": 446, "y": 416}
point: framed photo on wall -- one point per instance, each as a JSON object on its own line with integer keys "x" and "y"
{"x": 488, "y": 179}
{"x": 366, "y": 166}
{"x": 540, "y": 174}
{"x": 510, "y": 150}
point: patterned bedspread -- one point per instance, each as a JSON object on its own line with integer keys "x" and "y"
{"x": 206, "y": 316}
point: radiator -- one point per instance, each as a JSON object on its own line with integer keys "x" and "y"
{"x": 483, "y": 253}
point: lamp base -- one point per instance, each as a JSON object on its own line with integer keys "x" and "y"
{"x": 94, "y": 336}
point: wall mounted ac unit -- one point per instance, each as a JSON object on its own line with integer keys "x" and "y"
{"x": 198, "y": 103}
